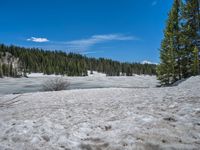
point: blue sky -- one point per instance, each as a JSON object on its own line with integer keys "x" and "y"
{"x": 124, "y": 30}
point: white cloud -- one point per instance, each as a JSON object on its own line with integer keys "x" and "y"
{"x": 148, "y": 62}
{"x": 95, "y": 39}
{"x": 154, "y": 3}
{"x": 38, "y": 40}
{"x": 91, "y": 52}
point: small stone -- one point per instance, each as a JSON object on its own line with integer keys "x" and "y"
{"x": 198, "y": 123}
{"x": 107, "y": 128}
{"x": 46, "y": 138}
{"x": 163, "y": 141}
{"x": 62, "y": 146}
{"x": 125, "y": 144}
{"x": 4, "y": 138}
{"x": 171, "y": 119}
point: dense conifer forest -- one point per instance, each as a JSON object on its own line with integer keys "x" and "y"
{"x": 29, "y": 60}
{"x": 180, "y": 47}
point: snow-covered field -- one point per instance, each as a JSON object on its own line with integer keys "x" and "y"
{"x": 97, "y": 80}
{"x": 107, "y": 118}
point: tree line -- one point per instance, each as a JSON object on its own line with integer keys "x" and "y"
{"x": 179, "y": 52}
{"x": 70, "y": 64}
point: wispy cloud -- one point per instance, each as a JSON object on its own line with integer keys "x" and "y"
{"x": 81, "y": 45}
{"x": 38, "y": 40}
{"x": 154, "y": 3}
{"x": 91, "y": 52}
{"x": 96, "y": 39}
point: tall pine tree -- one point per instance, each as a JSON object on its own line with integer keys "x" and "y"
{"x": 190, "y": 36}
{"x": 1, "y": 71}
{"x": 196, "y": 61}
{"x": 168, "y": 70}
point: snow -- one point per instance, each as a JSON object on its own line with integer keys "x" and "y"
{"x": 148, "y": 62}
{"x": 96, "y": 74}
{"x": 192, "y": 81}
{"x": 33, "y": 75}
{"x": 97, "y": 80}
{"x": 106, "y": 118}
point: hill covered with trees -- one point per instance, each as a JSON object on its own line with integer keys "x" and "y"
{"x": 29, "y": 60}
{"x": 179, "y": 53}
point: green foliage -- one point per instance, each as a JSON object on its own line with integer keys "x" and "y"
{"x": 178, "y": 55}
{"x": 169, "y": 48}
{"x": 189, "y": 35}
{"x": 58, "y": 62}
{"x": 196, "y": 61}
{"x": 5, "y": 70}
{"x": 1, "y": 71}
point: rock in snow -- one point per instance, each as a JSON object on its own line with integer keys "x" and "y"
{"x": 108, "y": 118}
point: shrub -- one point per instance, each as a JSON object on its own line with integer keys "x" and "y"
{"x": 55, "y": 84}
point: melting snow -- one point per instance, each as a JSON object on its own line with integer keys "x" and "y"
{"x": 108, "y": 118}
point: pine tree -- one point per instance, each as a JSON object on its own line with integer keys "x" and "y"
{"x": 1, "y": 71}
{"x": 196, "y": 61}
{"x": 168, "y": 70}
{"x": 5, "y": 70}
{"x": 91, "y": 69}
{"x": 190, "y": 35}
{"x": 11, "y": 72}
{"x": 35, "y": 60}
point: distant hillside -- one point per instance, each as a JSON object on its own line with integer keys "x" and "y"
{"x": 26, "y": 60}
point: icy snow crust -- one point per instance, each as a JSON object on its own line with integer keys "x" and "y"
{"x": 107, "y": 118}
{"x": 96, "y": 80}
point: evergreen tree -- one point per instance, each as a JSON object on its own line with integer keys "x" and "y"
{"x": 58, "y": 62}
{"x": 1, "y": 71}
{"x": 179, "y": 52}
{"x": 11, "y": 71}
{"x": 5, "y": 70}
{"x": 196, "y": 61}
{"x": 168, "y": 70}
{"x": 190, "y": 35}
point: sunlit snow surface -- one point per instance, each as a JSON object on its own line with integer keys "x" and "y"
{"x": 96, "y": 80}
{"x": 107, "y": 118}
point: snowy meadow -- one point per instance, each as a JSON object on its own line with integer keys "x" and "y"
{"x": 132, "y": 114}
{"x": 35, "y": 81}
